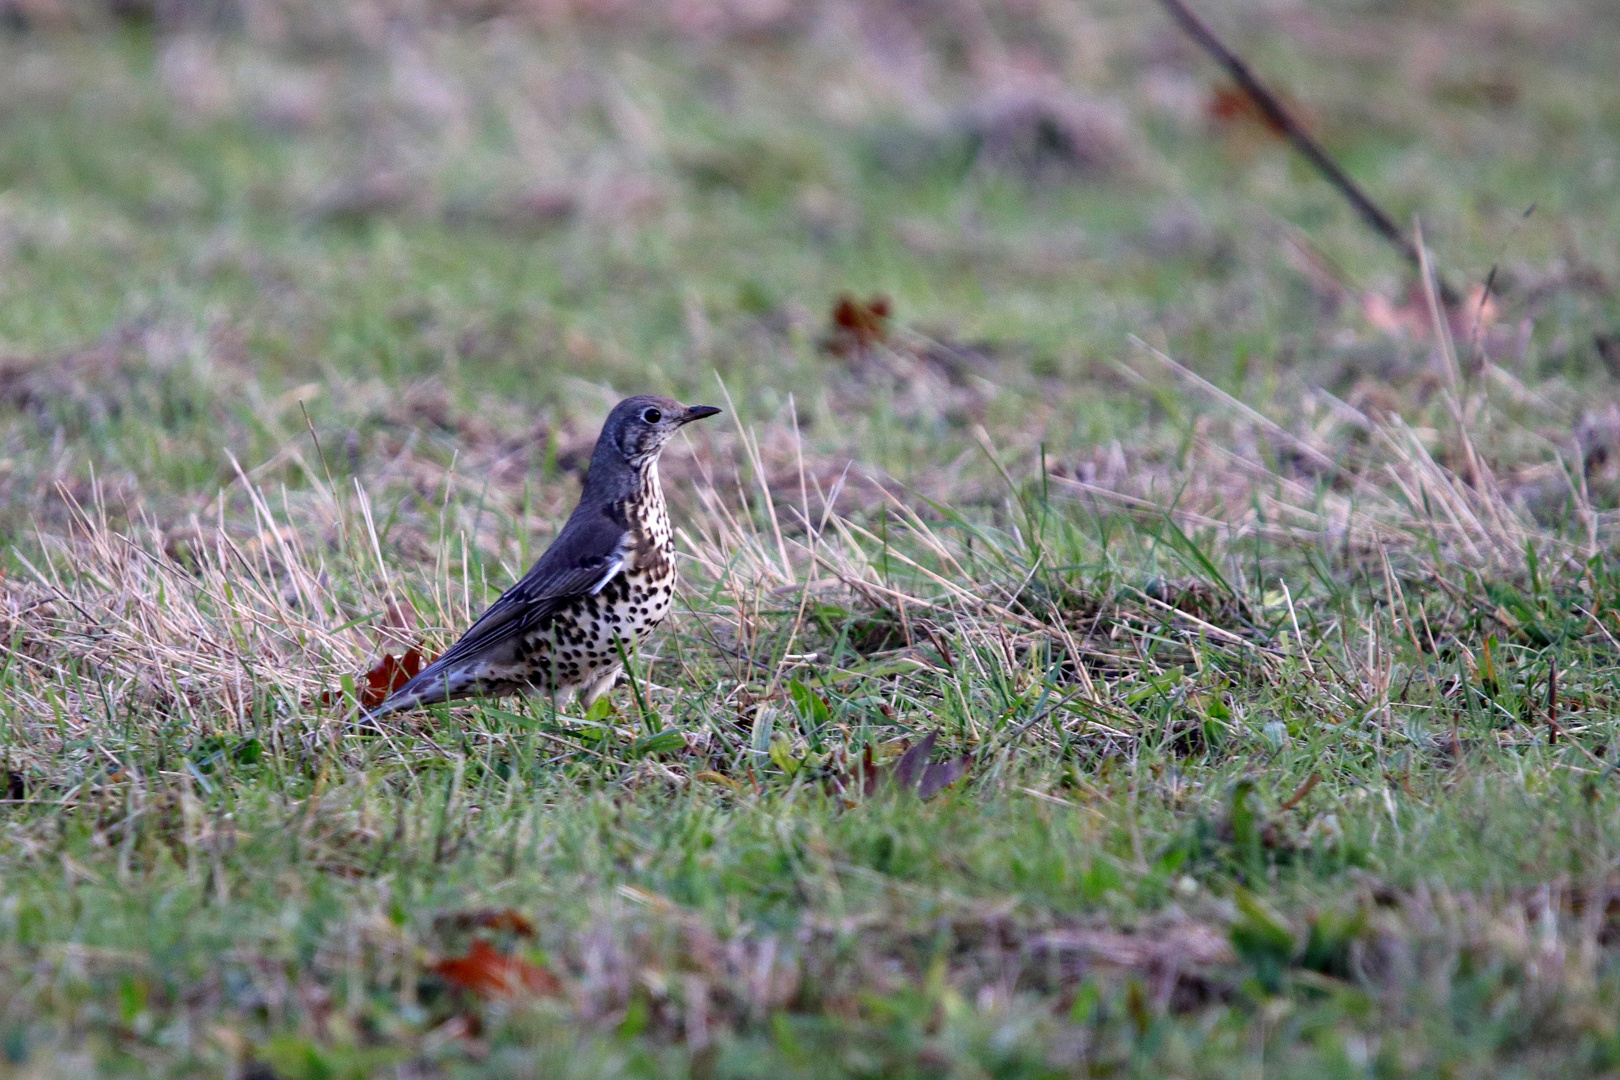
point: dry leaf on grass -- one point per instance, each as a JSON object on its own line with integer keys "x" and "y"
{"x": 857, "y": 325}
{"x": 911, "y": 771}
{"x": 490, "y": 974}
{"x": 1229, "y": 106}
{"x": 387, "y": 675}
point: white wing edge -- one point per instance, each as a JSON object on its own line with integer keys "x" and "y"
{"x": 612, "y": 569}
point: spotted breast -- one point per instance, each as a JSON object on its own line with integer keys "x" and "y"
{"x": 581, "y": 648}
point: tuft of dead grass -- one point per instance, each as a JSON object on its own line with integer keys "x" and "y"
{"x": 260, "y": 608}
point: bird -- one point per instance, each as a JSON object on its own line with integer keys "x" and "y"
{"x": 603, "y": 585}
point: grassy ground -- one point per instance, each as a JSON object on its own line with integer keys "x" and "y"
{"x": 1270, "y": 642}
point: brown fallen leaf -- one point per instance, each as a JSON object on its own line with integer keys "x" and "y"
{"x": 857, "y": 325}
{"x": 908, "y": 770}
{"x": 490, "y": 974}
{"x": 911, "y": 772}
{"x": 387, "y": 675}
{"x": 1229, "y": 105}
{"x": 941, "y": 775}
{"x": 1303, "y": 790}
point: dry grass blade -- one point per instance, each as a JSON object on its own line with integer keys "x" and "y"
{"x": 1404, "y": 498}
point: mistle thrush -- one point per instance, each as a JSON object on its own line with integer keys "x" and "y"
{"x": 601, "y": 587}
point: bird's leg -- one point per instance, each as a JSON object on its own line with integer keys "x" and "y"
{"x": 596, "y": 689}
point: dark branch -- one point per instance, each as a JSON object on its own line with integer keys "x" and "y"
{"x": 1281, "y": 119}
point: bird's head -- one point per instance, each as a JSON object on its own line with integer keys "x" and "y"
{"x": 638, "y": 427}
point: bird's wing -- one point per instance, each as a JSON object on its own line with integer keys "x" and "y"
{"x": 582, "y": 560}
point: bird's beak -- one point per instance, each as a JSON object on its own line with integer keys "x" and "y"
{"x": 698, "y": 412}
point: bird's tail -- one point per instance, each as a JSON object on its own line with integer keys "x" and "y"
{"x": 368, "y": 720}
{"x": 427, "y": 688}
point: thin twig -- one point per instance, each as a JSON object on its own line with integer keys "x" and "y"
{"x": 1280, "y": 118}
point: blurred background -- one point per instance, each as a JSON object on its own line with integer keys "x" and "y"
{"x": 464, "y": 227}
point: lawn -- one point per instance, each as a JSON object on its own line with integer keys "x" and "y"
{"x": 1125, "y": 629}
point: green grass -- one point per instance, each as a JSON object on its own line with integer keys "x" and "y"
{"x": 1264, "y": 773}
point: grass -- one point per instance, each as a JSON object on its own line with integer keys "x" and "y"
{"x": 1274, "y": 636}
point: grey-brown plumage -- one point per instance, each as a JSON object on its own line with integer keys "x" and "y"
{"x": 602, "y": 586}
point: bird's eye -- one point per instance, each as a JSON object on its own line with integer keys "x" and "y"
{"x": 652, "y": 416}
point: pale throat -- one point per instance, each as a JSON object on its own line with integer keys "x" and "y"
{"x": 651, "y": 523}
{"x": 647, "y": 479}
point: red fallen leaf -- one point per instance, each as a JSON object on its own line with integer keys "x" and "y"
{"x": 869, "y": 772}
{"x": 1230, "y": 105}
{"x": 489, "y": 974}
{"x": 387, "y": 675}
{"x": 867, "y": 322}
